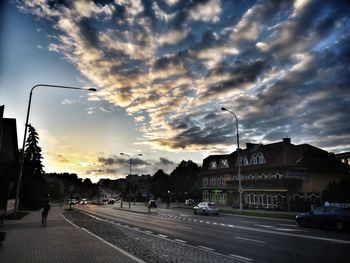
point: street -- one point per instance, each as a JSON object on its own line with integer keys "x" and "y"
{"x": 242, "y": 238}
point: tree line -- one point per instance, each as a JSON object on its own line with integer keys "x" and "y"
{"x": 183, "y": 182}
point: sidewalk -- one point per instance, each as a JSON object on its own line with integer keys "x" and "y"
{"x": 61, "y": 242}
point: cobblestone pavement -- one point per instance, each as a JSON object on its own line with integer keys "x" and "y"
{"x": 147, "y": 247}
{"x": 27, "y": 242}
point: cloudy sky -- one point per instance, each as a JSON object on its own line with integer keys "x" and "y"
{"x": 163, "y": 70}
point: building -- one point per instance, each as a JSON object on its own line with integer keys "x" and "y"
{"x": 344, "y": 157}
{"x": 280, "y": 176}
{"x": 8, "y": 158}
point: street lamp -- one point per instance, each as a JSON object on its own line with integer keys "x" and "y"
{"x": 130, "y": 162}
{"x": 20, "y": 171}
{"x": 238, "y": 164}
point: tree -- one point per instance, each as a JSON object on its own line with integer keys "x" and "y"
{"x": 160, "y": 184}
{"x": 185, "y": 180}
{"x": 337, "y": 192}
{"x": 32, "y": 154}
{"x": 33, "y": 185}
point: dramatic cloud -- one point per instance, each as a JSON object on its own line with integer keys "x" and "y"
{"x": 281, "y": 66}
{"x": 115, "y": 166}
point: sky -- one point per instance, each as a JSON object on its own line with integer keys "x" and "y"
{"x": 164, "y": 69}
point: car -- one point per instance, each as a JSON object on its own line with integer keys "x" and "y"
{"x": 111, "y": 201}
{"x": 325, "y": 216}
{"x": 152, "y": 204}
{"x": 189, "y": 202}
{"x": 206, "y": 208}
{"x": 72, "y": 201}
{"x": 83, "y": 201}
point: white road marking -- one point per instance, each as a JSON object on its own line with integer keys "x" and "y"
{"x": 270, "y": 231}
{"x": 287, "y": 229}
{"x": 148, "y": 232}
{"x": 214, "y": 223}
{"x": 161, "y": 235}
{"x": 181, "y": 241}
{"x": 184, "y": 227}
{"x": 240, "y": 257}
{"x": 252, "y": 240}
{"x": 206, "y": 248}
{"x": 184, "y": 215}
{"x": 222, "y": 225}
{"x": 207, "y": 222}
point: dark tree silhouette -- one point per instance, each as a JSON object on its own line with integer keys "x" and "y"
{"x": 160, "y": 184}
{"x": 32, "y": 154}
{"x": 185, "y": 180}
{"x": 337, "y": 192}
{"x": 33, "y": 186}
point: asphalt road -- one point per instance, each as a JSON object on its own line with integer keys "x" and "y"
{"x": 248, "y": 238}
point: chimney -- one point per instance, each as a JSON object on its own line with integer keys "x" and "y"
{"x": 249, "y": 146}
{"x": 286, "y": 140}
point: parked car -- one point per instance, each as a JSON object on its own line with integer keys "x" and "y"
{"x": 325, "y": 216}
{"x": 152, "y": 204}
{"x": 83, "y": 201}
{"x": 189, "y": 202}
{"x": 206, "y": 208}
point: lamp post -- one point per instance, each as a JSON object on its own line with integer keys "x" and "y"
{"x": 130, "y": 162}
{"x": 238, "y": 164}
{"x": 20, "y": 170}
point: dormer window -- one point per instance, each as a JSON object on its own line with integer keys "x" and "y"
{"x": 213, "y": 165}
{"x": 257, "y": 158}
{"x": 243, "y": 160}
{"x": 223, "y": 163}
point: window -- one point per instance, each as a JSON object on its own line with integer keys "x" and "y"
{"x": 257, "y": 158}
{"x": 205, "y": 196}
{"x": 221, "y": 181}
{"x": 243, "y": 160}
{"x": 223, "y": 163}
{"x": 205, "y": 181}
{"x": 213, "y": 165}
{"x": 212, "y": 181}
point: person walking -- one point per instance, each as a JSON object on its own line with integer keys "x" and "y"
{"x": 44, "y": 214}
